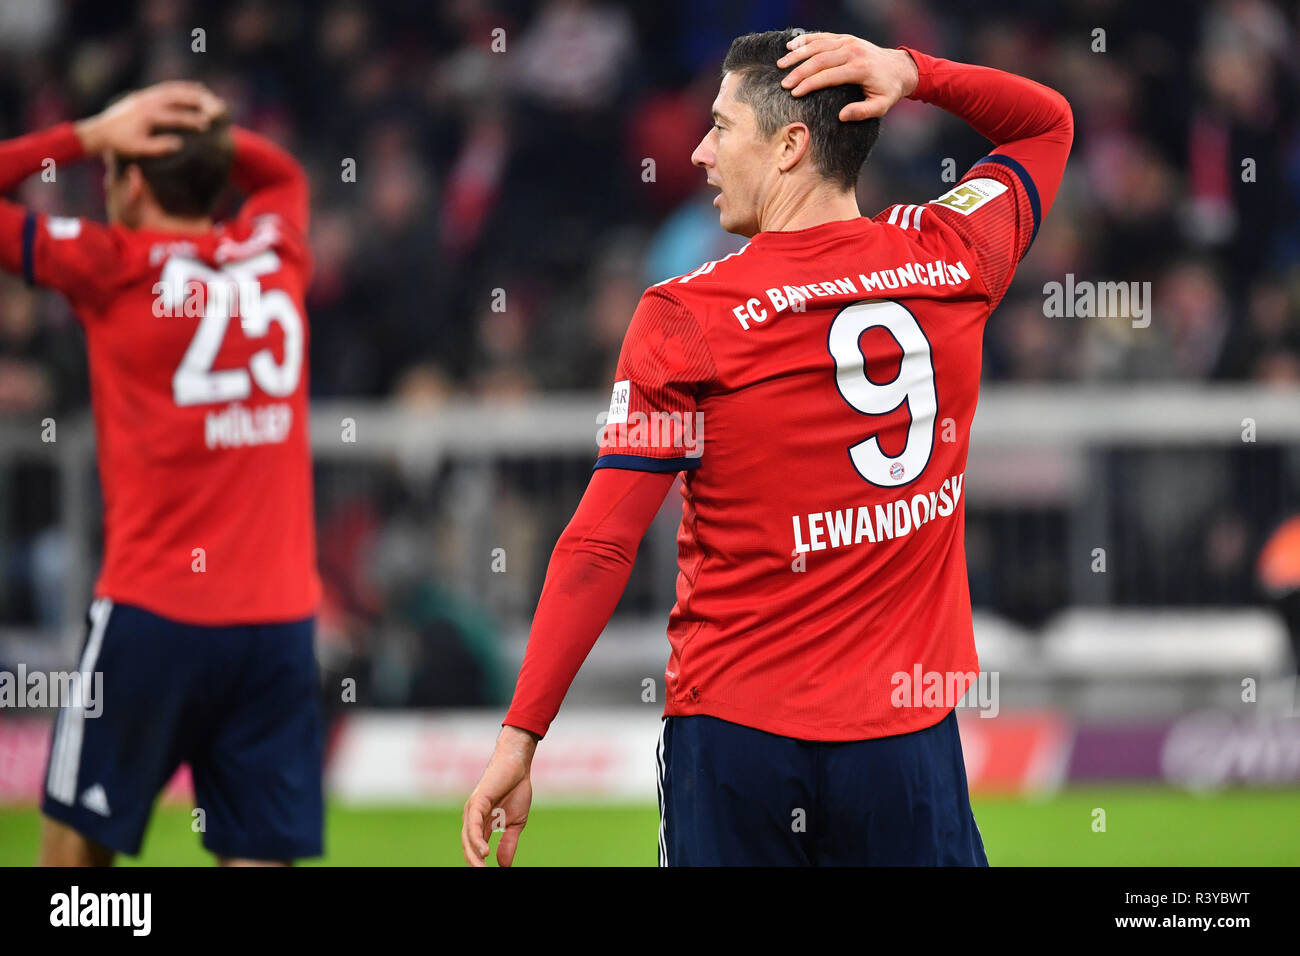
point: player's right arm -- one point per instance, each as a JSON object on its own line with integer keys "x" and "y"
{"x": 998, "y": 205}
{"x": 1031, "y": 127}
{"x": 271, "y": 179}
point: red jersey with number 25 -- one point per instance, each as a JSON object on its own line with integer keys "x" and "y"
{"x": 817, "y": 388}
{"x": 198, "y": 366}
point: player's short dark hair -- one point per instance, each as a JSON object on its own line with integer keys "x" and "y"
{"x": 839, "y": 149}
{"x": 190, "y": 181}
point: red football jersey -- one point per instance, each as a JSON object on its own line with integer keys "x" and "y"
{"x": 818, "y": 388}
{"x": 198, "y": 368}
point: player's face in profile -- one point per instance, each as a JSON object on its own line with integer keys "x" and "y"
{"x": 734, "y": 155}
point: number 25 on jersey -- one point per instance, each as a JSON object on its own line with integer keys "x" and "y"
{"x": 195, "y": 382}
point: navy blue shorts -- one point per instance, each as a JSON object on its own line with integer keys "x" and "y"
{"x": 735, "y": 796}
{"x": 241, "y": 705}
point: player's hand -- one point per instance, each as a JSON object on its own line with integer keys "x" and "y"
{"x": 130, "y": 125}
{"x": 837, "y": 59}
{"x": 501, "y": 799}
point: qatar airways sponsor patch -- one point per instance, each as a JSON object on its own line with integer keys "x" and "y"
{"x": 619, "y": 402}
{"x": 63, "y": 227}
{"x": 966, "y": 197}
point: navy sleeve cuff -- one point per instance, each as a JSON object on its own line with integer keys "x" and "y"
{"x": 645, "y": 463}
{"x": 29, "y": 248}
{"x": 1025, "y": 180}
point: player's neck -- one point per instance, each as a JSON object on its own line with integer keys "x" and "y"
{"x": 812, "y": 208}
{"x": 160, "y": 221}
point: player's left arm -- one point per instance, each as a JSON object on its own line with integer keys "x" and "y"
{"x": 662, "y": 367}
{"x": 57, "y": 253}
{"x": 73, "y": 255}
{"x": 586, "y": 576}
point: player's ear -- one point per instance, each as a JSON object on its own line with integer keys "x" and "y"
{"x": 796, "y": 140}
{"x": 136, "y": 185}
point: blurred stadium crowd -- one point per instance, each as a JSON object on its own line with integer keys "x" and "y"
{"x": 524, "y": 170}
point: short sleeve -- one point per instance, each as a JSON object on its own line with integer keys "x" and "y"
{"x": 995, "y": 211}
{"x": 77, "y": 257}
{"x": 654, "y": 422}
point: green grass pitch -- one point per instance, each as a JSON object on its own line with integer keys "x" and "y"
{"x": 1144, "y": 826}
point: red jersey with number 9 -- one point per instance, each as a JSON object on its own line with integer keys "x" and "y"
{"x": 198, "y": 369}
{"x": 818, "y": 388}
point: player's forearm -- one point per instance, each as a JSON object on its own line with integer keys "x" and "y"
{"x": 20, "y": 158}
{"x": 584, "y": 581}
{"x": 1028, "y": 122}
{"x": 583, "y": 586}
{"x": 1000, "y": 106}
{"x": 27, "y": 155}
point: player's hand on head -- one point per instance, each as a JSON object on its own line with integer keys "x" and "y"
{"x": 132, "y": 125}
{"x": 820, "y": 60}
{"x": 500, "y": 801}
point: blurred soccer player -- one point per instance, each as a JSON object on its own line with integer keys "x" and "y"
{"x": 817, "y": 389}
{"x": 202, "y": 621}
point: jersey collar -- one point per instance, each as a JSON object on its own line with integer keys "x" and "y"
{"x": 811, "y": 235}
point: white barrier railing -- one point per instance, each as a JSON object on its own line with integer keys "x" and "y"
{"x": 1030, "y": 444}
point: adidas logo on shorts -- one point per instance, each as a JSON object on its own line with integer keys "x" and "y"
{"x": 96, "y": 800}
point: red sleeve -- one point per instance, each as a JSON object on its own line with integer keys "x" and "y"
{"x": 74, "y": 256}
{"x": 26, "y": 155}
{"x": 998, "y": 205}
{"x": 584, "y": 581}
{"x": 271, "y": 179}
{"x": 653, "y": 422}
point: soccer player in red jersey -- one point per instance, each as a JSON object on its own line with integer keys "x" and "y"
{"x": 201, "y": 627}
{"x": 817, "y": 390}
